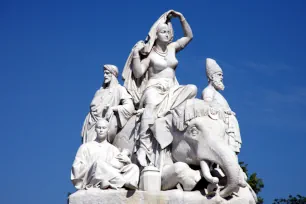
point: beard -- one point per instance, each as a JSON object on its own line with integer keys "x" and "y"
{"x": 218, "y": 85}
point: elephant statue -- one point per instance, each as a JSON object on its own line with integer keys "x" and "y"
{"x": 201, "y": 141}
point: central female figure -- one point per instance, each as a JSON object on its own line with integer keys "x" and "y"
{"x": 153, "y": 65}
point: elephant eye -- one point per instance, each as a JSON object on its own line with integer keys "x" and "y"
{"x": 194, "y": 131}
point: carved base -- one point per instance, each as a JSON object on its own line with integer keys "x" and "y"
{"x": 97, "y": 196}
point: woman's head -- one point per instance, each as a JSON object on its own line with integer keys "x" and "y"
{"x": 163, "y": 33}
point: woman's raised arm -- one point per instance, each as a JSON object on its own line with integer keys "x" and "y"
{"x": 182, "y": 42}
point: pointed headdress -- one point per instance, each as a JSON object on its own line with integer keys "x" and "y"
{"x": 212, "y": 67}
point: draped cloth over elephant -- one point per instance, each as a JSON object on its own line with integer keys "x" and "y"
{"x": 92, "y": 166}
{"x": 166, "y": 94}
{"x": 194, "y": 108}
{"x": 105, "y": 98}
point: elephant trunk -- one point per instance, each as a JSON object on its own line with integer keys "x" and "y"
{"x": 221, "y": 154}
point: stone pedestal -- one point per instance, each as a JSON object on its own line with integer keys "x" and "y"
{"x": 150, "y": 179}
{"x": 97, "y": 196}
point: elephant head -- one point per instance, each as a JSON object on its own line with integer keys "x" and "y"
{"x": 204, "y": 137}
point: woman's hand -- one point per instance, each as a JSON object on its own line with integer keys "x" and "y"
{"x": 139, "y": 46}
{"x": 176, "y": 14}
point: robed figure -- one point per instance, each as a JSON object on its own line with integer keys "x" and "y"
{"x": 111, "y": 102}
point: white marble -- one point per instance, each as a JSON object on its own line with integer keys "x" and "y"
{"x": 150, "y": 179}
{"x": 111, "y": 102}
{"x": 96, "y": 196}
{"x": 152, "y": 65}
{"x": 177, "y": 140}
{"x": 212, "y": 95}
{"x": 99, "y": 164}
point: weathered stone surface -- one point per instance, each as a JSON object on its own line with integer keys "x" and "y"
{"x": 97, "y": 196}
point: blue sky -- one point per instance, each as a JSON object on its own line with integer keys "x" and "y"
{"x": 51, "y": 55}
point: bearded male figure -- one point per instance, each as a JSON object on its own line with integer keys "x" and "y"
{"x": 211, "y": 94}
{"x": 111, "y": 102}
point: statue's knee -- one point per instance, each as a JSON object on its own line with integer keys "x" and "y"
{"x": 180, "y": 168}
{"x": 135, "y": 168}
{"x": 192, "y": 89}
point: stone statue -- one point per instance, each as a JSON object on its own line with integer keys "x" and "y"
{"x": 99, "y": 164}
{"x": 151, "y": 66}
{"x": 211, "y": 94}
{"x": 111, "y": 102}
{"x": 179, "y": 141}
{"x": 200, "y": 143}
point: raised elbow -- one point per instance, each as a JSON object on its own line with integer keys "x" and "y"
{"x": 190, "y": 36}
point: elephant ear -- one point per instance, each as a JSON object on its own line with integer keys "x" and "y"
{"x": 164, "y": 140}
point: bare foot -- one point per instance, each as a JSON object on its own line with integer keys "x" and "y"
{"x": 107, "y": 185}
{"x": 104, "y": 185}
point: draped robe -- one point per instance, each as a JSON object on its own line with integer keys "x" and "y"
{"x": 113, "y": 95}
{"x": 92, "y": 166}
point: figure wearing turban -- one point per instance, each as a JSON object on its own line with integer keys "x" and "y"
{"x": 111, "y": 102}
{"x": 211, "y": 94}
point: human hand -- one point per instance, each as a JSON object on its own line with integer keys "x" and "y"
{"x": 139, "y": 46}
{"x": 123, "y": 158}
{"x": 175, "y": 14}
{"x": 139, "y": 112}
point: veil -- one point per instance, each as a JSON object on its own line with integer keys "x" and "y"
{"x": 133, "y": 85}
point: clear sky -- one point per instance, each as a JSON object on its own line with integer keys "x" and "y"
{"x": 51, "y": 54}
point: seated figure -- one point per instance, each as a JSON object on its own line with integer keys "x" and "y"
{"x": 111, "y": 102}
{"x": 153, "y": 65}
{"x": 94, "y": 167}
{"x": 117, "y": 162}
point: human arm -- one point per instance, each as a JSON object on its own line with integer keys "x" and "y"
{"x": 123, "y": 158}
{"x": 79, "y": 168}
{"x": 126, "y": 107}
{"x": 208, "y": 95}
{"x": 96, "y": 101}
{"x": 139, "y": 67}
{"x": 182, "y": 42}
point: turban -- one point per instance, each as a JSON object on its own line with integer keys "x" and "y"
{"x": 112, "y": 68}
{"x": 212, "y": 67}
